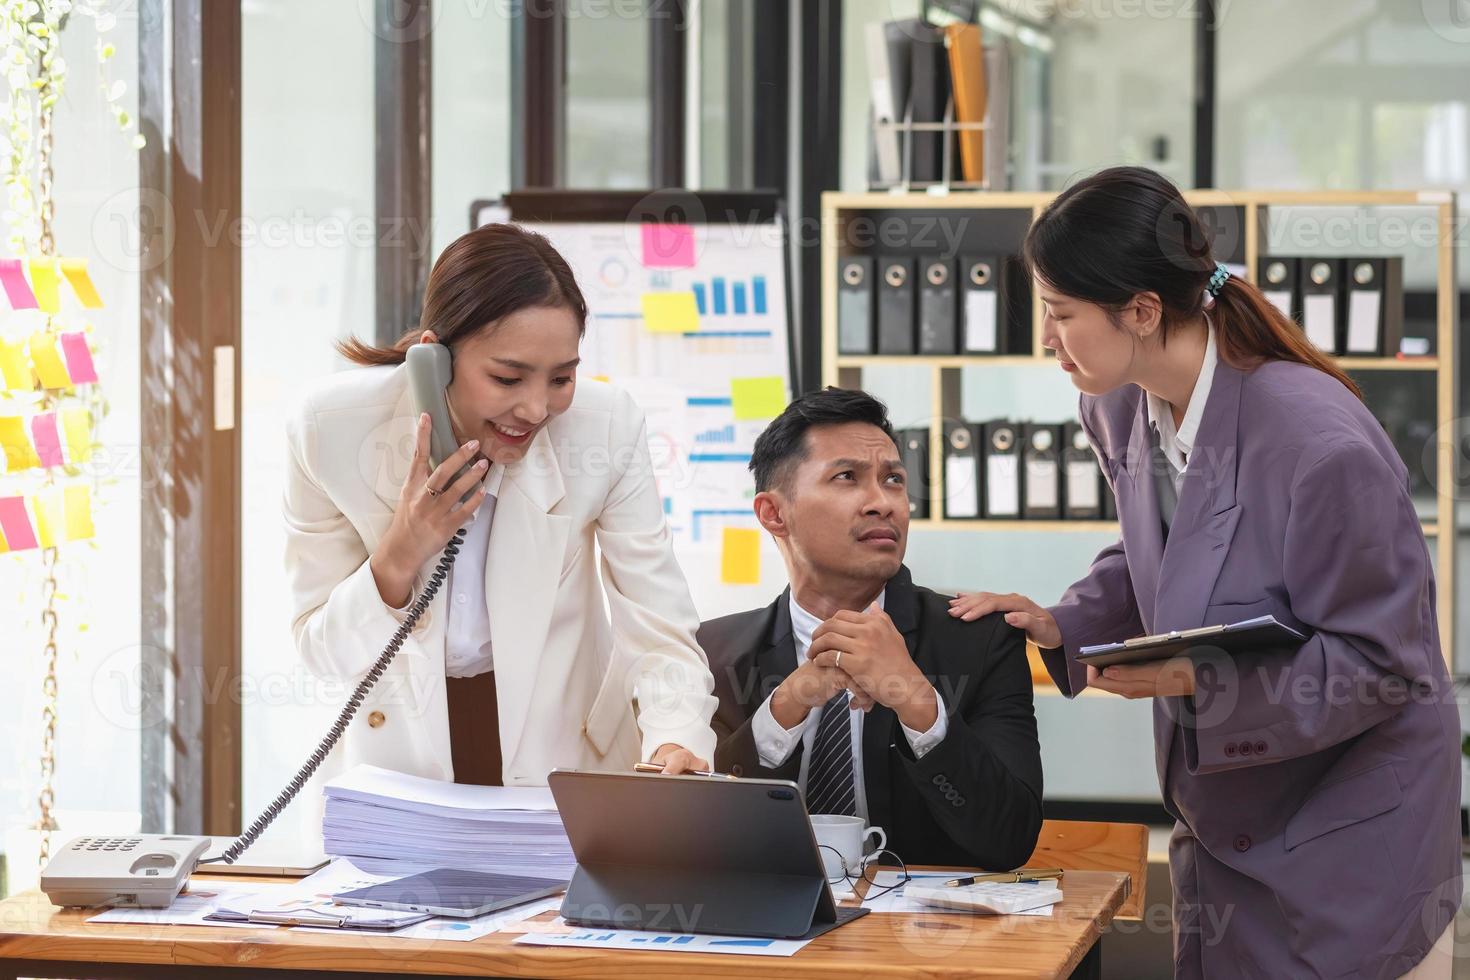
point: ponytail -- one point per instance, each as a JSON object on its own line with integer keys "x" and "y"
{"x": 1249, "y": 329}
{"x": 370, "y": 355}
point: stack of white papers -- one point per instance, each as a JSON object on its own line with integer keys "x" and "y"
{"x": 391, "y": 823}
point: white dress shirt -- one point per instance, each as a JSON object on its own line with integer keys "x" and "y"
{"x": 467, "y": 648}
{"x": 775, "y": 744}
{"x": 1177, "y": 443}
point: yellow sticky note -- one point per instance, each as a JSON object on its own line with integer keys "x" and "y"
{"x": 50, "y": 518}
{"x": 78, "y": 504}
{"x": 75, "y": 271}
{"x": 670, "y": 313}
{"x": 15, "y": 372}
{"x": 4, "y": 545}
{"x": 19, "y": 453}
{"x": 76, "y": 423}
{"x": 757, "y": 398}
{"x": 45, "y": 285}
{"x": 740, "y": 556}
{"x": 47, "y": 359}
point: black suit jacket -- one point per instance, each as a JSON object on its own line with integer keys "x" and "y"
{"x": 975, "y": 798}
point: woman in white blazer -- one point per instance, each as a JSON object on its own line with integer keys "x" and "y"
{"x": 525, "y": 660}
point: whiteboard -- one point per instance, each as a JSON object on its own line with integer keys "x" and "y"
{"x": 682, "y": 380}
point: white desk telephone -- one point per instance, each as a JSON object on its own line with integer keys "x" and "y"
{"x": 149, "y": 870}
{"x": 144, "y": 870}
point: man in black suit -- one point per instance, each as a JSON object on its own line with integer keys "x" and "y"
{"x": 859, "y": 685}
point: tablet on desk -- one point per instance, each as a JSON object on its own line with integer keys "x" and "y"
{"x": 1259, "y": 634}
{"x": 445, "y": 891}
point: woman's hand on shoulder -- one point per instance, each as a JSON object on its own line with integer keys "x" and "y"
{"x": 1038, "y": 624}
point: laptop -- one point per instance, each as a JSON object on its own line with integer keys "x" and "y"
{"x": 694, "y": 854}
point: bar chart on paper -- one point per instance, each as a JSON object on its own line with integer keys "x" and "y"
{"x": 667, "y": 942}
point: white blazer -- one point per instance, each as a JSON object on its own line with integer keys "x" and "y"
{"x": 568, "y": 680}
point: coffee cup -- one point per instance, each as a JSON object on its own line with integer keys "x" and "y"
{"x": 841, "y": 840}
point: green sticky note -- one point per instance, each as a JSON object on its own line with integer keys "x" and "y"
{"x": 757, "y": 398}
{"x": 670, "y": 313}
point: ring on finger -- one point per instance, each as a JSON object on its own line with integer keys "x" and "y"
{"x": 837, "y": 661}
{"x": 431, "y": 491}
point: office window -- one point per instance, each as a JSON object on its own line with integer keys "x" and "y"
{"x": 307, "y": 271}
{"x": 99, "y": 630}
{"x": 471, "y": 111}
{"x": 1317, "y": 94}
{"x": 720, "y": 83}
{"x": 1087, "y": 85}
{"x": 1120, "y": 90}
{"x": 607, "y": 109}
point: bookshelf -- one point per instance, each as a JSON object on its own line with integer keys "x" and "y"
{"x": 1010, "y": 211}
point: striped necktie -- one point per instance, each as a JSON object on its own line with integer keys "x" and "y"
{"x": 829, "y": 782}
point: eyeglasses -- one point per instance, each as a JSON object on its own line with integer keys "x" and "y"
{"x": 873, "y": 889}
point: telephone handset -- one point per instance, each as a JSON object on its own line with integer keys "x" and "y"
{"x": 148, "y": 870}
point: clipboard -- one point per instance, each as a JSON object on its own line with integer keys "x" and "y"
{"x": 1250, "y": 635}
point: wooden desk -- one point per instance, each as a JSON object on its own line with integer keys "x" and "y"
{"x": 1098, "y": 847}
{"x": 37, "y": 939}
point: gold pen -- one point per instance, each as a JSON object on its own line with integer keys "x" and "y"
{"x": 655, "y": 768}
{"x": 1020, "y": 875}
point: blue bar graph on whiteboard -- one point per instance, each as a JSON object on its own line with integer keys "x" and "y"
{"x": 727, "y": 434}
{"x": 721, "y": 296}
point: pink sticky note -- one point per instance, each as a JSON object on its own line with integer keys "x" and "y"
{"x": 17, "y": 290}
{"x": 668, "y": 246}
{"x": 16, "y": 524}
{"x": 48, "y": 442}
{"x": 78, "y": 358}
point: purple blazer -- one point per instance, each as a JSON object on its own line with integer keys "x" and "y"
{"x": 1316, "y": 794}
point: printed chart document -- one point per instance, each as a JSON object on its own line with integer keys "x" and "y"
{"x": 666, "y": 942}
{"x": 191, "y": 908}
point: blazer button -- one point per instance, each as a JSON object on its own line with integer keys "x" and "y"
{"x": 376, "y": 719}
{"x": 737, "y": 770}
{"x": 1260, "y": 748}
{"x": 1230, "y": 750}
{"x": 1245, "y": 748}
{"x": 1242, "y": 843}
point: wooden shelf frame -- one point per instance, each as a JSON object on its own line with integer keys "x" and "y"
{"x": 846, "y": 371}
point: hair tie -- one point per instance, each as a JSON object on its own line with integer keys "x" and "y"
{"x": 1217, "y": 279}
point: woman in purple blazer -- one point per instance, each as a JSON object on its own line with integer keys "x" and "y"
{"x": 1316, "y": 793}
